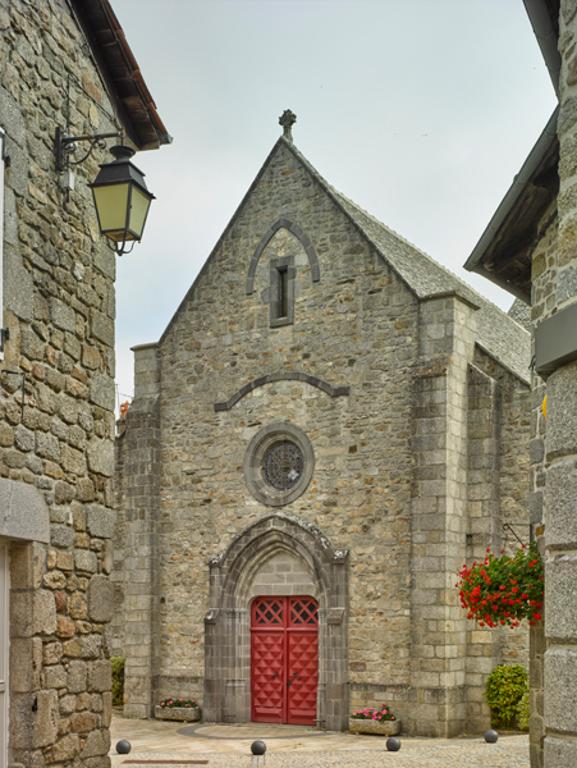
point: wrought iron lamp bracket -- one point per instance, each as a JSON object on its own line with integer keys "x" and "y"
{"x": 120, "y": 249}
{"x": 64, "y": 146}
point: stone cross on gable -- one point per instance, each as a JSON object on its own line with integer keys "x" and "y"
{"x": 287, "y": 120}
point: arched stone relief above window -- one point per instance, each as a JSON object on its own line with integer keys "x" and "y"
{"x": 270, "y": 378}
{"x": 295, "y": 230}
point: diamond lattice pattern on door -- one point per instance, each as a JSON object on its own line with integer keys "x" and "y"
{"x": 268, "y": 672}
{"x": 303, "y": 666}
{"x": 284, "y": 659}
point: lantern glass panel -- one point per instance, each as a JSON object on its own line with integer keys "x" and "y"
{"x": 111, "y": 203}
{"x": 140, "y": 203}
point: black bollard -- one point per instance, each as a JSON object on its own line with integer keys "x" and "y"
{"x": 258, "y": 748}
{"x": 393, "y": 744}
{"x": 491, "y": 736}
{"x": 123, "y": 747}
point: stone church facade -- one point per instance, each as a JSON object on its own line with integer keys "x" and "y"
{"x": 329, "y": 427}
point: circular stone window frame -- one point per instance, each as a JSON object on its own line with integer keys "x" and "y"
{"x": 258, "y": 446}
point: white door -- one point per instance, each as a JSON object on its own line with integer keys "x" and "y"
{"x": 3, "y": 655}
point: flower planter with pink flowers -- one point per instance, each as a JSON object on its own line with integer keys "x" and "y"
{"x": 372, "y": 720}
{"x": 182, "y": 710}
{"x": 385, "y": 728}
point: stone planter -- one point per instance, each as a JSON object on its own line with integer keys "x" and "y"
{"x": 386, "y": 728}
{"x": 182, "y": 714}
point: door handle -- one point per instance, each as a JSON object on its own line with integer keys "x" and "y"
{"x": 292, "y": 679}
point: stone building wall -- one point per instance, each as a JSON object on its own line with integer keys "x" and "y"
{"x": 135, "y": 622}
{"x": 380, "y": 383}
{"x": 56, "y": 396}
{"x": 512, "y": 467}
{"x": 499, "y": 420}
{"x": 544, "y": 264}
{"x": 561, "y": 437}
{"x": 439, "y": 516}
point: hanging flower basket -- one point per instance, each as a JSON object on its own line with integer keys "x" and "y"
{"x": 504, "y": 589}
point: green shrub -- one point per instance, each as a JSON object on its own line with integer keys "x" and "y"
{"x": 505, "y": 688}
{"x": 523, "y": 712}
{"x": 117, "y": 680}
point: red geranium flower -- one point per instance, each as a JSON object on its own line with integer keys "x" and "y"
{"x": 523, "y": 570}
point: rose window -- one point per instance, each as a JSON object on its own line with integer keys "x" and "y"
{"x": 278, "y": 464}
{"x": 282, "y": 465}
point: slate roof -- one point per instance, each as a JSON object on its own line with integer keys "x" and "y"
{"x": 521, "y": 312}
{"x": 498, "y": 334}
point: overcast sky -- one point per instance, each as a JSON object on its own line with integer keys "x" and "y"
{"x": 421, "y": 111}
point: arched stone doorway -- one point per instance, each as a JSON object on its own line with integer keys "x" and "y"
{"x": 278, "y": 555}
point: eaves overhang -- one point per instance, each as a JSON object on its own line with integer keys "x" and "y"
{"x": 544, "y": 18}
{"x": 120, "y": 73}
{"x": 503, "y": 253}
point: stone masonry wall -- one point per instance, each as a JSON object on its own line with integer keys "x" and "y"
{"x": 56, "y": 393}
{"x": 513, "y": 427}
{"x": 283, "y": 574}
{"x": 561, "y": 438}
{"x": 544, "y": 265}
{"x": 484, "y": 528}
{"x": 499, "y": 421}
{"x": 134, "y": 627}
{"x": 439, "y": 516}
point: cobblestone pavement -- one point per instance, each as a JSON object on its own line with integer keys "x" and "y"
{"x": 154, "y": 743}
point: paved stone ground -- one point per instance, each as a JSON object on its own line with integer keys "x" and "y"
{"x": 301, "y": 747}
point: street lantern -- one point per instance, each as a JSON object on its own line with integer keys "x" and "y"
{"x": 121, "y": 199}
{"x": 120, "y": 194}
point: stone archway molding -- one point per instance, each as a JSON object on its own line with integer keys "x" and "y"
{"x": 227, "y": 640}
{"x": 295, "y": 230}
{"x": 307, "y": 378}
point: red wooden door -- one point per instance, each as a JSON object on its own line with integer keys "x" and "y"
{"x": 284, "y": 660}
